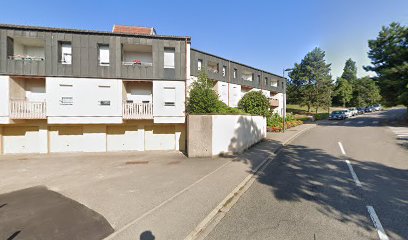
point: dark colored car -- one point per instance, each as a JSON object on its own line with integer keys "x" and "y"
{"x": 360, "y": 110}
{"x": 337, "y": 115}
{"x": 369, "y": 109}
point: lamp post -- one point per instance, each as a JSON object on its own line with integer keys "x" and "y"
{"x": 284, "y": 97}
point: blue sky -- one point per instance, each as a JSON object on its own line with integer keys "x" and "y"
{"x": 270, "y": 35}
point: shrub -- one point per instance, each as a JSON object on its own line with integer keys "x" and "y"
{"x": 203, "y": 99}
{"x": 254, "y": 103}
{"x": 275, "y": 122}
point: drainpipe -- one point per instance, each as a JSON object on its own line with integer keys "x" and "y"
{"x": 185, "y": 98}
{"x": 229, "y": 80}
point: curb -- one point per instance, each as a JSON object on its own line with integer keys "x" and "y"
{"x": 217, "y": 214}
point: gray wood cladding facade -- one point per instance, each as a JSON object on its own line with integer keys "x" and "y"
{"x": 85, "y": 55}
{"x": 264, "y": 81}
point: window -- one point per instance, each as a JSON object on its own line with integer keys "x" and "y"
{"x": 224, "y": 70}
{"x": 66, "y": 101}
{"x": 259, "y": 78}
{"x": 104, "y": 103}
{"x": 169, "y": 57}
{"x": 235, "y": 73}
{"x": 65, "y": 52}
{"x": 169, "y": 96}
{"x": 103, "y": 54}
{"x": 266, "y": 81}
{"x": 199, "y": 64}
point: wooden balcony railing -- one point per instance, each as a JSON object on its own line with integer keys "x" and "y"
{"x": 22, "y": 109}
{"x": 137, "y": 110}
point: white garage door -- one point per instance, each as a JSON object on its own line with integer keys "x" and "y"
{"x": 21, "y": 140}
{"x": 160, "y": 137}
{"x": 66, "y": 139}
{"x": 125, "y": 138}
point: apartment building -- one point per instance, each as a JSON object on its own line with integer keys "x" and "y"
{"x": 232, "y": 79}
{"x": 64, "y": 90}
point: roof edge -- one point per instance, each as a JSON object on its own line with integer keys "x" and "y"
{"x": 245, "y": 65}
{"x": 67, "y": 30}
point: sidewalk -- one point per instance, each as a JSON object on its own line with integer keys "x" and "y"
{"x": 179, "y": 215}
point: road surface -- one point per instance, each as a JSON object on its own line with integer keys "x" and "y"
{"x": 341, "y": 180}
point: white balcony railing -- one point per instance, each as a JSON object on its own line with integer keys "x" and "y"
{"x": 22, "y": 109}
{"x": 137, "y": 110}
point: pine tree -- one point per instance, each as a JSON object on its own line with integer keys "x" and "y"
{"x": 313, "y": 80}
{"x": 389, "y": 59}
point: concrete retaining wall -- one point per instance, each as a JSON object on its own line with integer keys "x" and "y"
{"x": 211, "y": 135}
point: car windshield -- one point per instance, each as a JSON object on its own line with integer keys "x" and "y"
{"x": 337, "y": 112}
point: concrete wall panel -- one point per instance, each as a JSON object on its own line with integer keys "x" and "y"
{"x": 19, "y": 139}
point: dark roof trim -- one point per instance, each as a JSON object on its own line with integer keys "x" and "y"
{"x": 193, "y": 49}
{"x": 63, "y": 30}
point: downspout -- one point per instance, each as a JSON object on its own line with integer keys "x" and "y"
{"x": 229, "y": 80}
{"x": 185, "y": 98}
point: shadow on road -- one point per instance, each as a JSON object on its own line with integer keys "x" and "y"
{"x": 304, "y": 174}
{"x": 38, "y": 213}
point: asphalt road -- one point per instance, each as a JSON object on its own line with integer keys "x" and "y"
{"x": 341, "y": 180}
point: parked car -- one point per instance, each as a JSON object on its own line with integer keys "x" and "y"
{"x": 369, "y": 109}
{"x": 377, "y": 107}
{"x": 337, "y": 115}
{"x": 353, "y": 111}
{"x": 347, "y": 113}
{"x": 360, "y": 110}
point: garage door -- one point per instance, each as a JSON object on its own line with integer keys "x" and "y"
{"x": 21, "y": 140}
{"x": 160, "y": 137}
{"x": 125, "y": 138}
{"x": 66, "y": 139}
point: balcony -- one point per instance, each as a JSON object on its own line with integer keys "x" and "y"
{"x": 22, "y": 109}
{"x": 137, "y": 55}
{"x": 137, "y": 110}
{"x": 274, "y": 102}
{"x": 246, "y": 76}
{"x": 212, "y": 67}
{"x": 26, "y": 49}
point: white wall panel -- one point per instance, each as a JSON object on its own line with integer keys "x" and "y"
{"x": 160, "y": 137}
{"x": 66, "y": 139}
{"x": 125, "y": 138}
{"x": 21, "y": 139}
{"x": 4, "y": 95}
{"x": 87, "y": 96}
{"x": 160, "y": 110}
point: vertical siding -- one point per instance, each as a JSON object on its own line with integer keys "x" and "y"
{"x": 85, "y": 56}
{"x": 255, "y": 83}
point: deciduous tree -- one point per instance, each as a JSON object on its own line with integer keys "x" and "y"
{"x": 343, "y": 91}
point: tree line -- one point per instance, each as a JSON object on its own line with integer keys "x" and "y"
{"x": 310, "y": 83}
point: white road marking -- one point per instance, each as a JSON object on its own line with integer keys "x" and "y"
{"x": 342, "y": 148}
{"x": 353, "y": 174}
{"x": 377, "y": 223}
